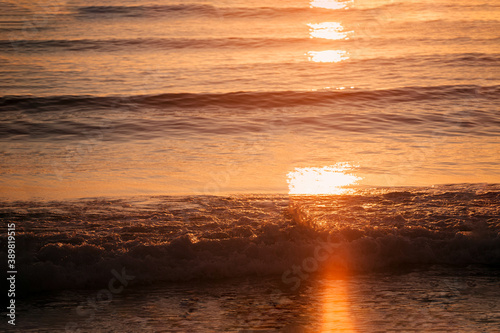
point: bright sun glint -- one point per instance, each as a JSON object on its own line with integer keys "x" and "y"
{"x": 331, "y": 4}
{"x": 325, "y": 180}
{"x": 327, "y": 56}
{"x": 327, "y": 30}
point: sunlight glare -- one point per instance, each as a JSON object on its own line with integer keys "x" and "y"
{"x": 327, "y": 56}
{"x": 327, "y": 30}
{"x": 325, "y": 180}
{"x": 336, "y": 303}
{"x": 331, "y": 4}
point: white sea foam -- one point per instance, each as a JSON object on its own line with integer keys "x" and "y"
{"x": 75, "y": 244}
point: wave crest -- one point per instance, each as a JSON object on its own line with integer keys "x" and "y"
{"x": 254, "y": 99}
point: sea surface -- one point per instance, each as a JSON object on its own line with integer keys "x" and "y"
{"x": 221, "y": 97}
{"x": 386, "y": 259}
{"x": 245, "y": 165}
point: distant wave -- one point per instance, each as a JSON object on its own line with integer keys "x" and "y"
{"x": 252, "y": 99}
{"x": 197, "y": 9}
{"x": 179, "y": 10}
{"x": 479, "y": 121}
{"x": 76, "y": 244}
{"x": 110, "y": 45}
{"x": 154, "y": 43}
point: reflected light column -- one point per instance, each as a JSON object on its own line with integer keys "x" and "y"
{"x": 336, "y": 315}
{"x": 330, "y": 31}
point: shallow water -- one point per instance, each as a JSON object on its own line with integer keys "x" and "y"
{"x": 431, "y": 300}
{"x": 160, "y": 140}
{"x": 218, "y": 97}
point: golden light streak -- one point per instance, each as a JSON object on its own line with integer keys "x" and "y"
{"x": 325, "y": 180}
{"x": 328, "y": 30}
{"x": 337, "y": 315}
{"x": 331, "y": 4}
{"x": 327, "y": 56}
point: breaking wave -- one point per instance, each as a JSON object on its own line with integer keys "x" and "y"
{"x": 76, "y": 244}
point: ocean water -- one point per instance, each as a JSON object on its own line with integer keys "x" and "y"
{"x": 215, "y": 165}
{"x": 387, "y": 259}
{"x": 217, "y": 97}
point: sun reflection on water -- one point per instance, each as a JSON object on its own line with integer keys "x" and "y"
{"x": 328, "y": 30}
{"x": 327, "y": 56}
{"x": 325, "y": 180}
{"x": 331, "y": 4}
{"x": 336, "y": 305}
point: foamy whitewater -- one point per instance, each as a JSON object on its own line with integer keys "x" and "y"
{"x": 74, "y": 244}
{"x": 145, "y": 148}
{"x": 420, "y": 256}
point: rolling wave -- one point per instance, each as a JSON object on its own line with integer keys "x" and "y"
{"x": 252, "y": 99}
{"x": 168, "y": 122}
{"x": 180, "y": 10}
{"x": 198, "y": 10}
{"x": 158, "y": 239}
{"x": 155, "y": 43}
{"x": 111, "y": 45}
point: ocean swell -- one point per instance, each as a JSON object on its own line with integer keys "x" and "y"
{"x": 251, "y": 99}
